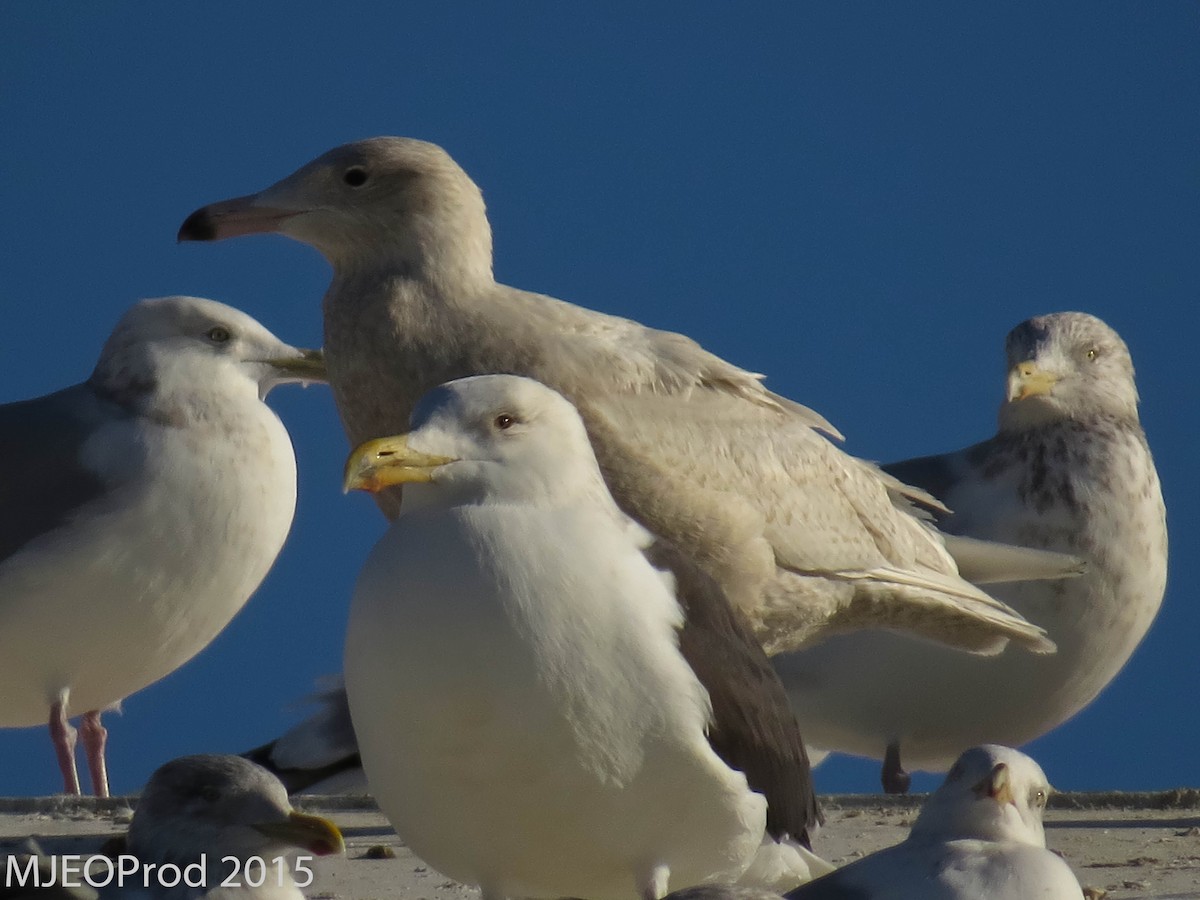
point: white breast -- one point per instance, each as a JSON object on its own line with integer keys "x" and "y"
{"x": 152, "y": 572}
{"x": 524, "y": 716}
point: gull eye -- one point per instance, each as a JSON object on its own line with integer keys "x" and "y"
{"x": 1039, "y": 799}
{"x": 210, "y": 794}
{"x": 504, "y": 421}
{"x": 218, "y": 335}
{"x": 355, "y": 176}
{"x": 1092, "y": 354}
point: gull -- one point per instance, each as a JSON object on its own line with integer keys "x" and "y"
{"x": 233, "y": 819}
{"x": 540, "y": 710}
{"x": 1069, "y": 471}
{"x": 139, "y": 511}
{"x": 979, "y": 835}
{"x": 803, "y": 538}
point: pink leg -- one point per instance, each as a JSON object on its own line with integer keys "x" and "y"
{"x": 95, "y": 736}
{"x": 63, "y": 736}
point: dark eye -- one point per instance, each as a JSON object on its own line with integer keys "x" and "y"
{"x": 1039, "y": 799}
{"x": 355, "y": 176}
{"x": 210, "y": 794}
{"x": 1093, "y": 353}
{"x": 217, "y": 335}
{"x": 504, "y": 421}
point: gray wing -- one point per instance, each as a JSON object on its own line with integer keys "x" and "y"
{"x": 935, "y": 474}
{"x": 754, "y": 729}
{"x": 974, "y": 485}
{"x": 44, "y": 484}
{"x": 322, "y": 746}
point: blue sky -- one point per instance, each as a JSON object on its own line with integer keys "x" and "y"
{"x": 857, "y": 199}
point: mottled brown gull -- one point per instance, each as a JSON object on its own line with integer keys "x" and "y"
{"x": 803, "y": 537}
{"x": 138, "y": 512}
{"x": 1070, "y": 471}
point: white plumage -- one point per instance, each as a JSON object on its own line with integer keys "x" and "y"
{"x": 524, "y": 715}
{"x": 978, "y": 836}
{"x": 142, "y": 508}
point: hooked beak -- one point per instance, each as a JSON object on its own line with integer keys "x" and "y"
{"x": 389, "y": 461}
{"x": 1027, "y": 380}
{"x": 233, "y": 218}
{"x": 312, "y": 833}
{"x": 996, "y": 785}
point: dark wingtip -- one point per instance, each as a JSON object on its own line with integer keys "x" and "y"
{"x": 199, "y": 226}
{"x": 295, "y": 780}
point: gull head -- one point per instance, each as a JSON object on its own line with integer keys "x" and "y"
{"x": 167, "y": 353}
{"x": 992, "y": 793}
{"x": 387, "y": 198}
{"x": 223, "y": 805}
{"x": 488, "y": 438}
{"x": 1064, "y": 366}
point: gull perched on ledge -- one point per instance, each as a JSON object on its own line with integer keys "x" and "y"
{"x": 542, "y": 710}
{"x": 1069, "y": 471}
{"x": 138, "y": 512}
{"x": 803, "y": 538}
{"x": 979, "y": 837}
{"x": 218, "y": 810}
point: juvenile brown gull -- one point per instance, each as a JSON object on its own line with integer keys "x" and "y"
{"x": 801, "y": 536}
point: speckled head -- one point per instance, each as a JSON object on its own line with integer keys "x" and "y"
{"x": 222, "y": 805}
{"x": 1066, "y": 366}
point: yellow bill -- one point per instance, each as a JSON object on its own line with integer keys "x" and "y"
{"x": 389, "y": 461}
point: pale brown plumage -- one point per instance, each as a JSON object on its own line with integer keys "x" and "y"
{"x": 805, "y": 538}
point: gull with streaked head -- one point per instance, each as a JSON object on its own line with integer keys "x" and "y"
{"x": 1069, "y": 471}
